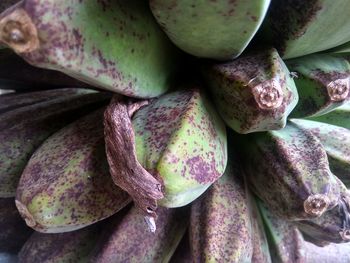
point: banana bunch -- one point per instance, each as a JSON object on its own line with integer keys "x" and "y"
{"x": 226, "y": 137}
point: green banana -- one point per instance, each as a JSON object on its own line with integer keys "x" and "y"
{"x": 286, "y": 243}
{"x": 341, "y": 50}
{"x": 298, "y": 27}
{"x": 220, "y": 229}
{"x": 66, "y": 184}
{"x": 254, "y": 92}
{"x": 210, "y": 29}
{"x": 336, "y": 142}
{"x": 114, "y": 45}
{"x": 339, "y": 116}
{"x": 24, "y": 129}
{"x": 60, "y": 248}
{"x": 13, "y": 230}
{"x": 289, "y": 171}
{"x": 323, "y": 83}
{"x": 129, "y": 240}
{"x": 331, "y": 253}
{"x": 173, "y": 150}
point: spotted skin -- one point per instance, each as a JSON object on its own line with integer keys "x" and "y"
{"x": 114, "y": 45}
{"x": 66, "y": 184}
{"x": 235, "y": 88}
{"x": 182, "y": 140}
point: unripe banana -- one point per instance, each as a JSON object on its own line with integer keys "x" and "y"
{"x": 210, "y": 29}
{"x": 221, "y": 227}
{"x": 289, "y": 171}
{"x": 66, "y": 184}
{"x": 129, "y": 240}
{"x": 323, "y": 83}
{"x": 254, "y": 92}
{"x": 24, "y": 129}
{"x": 114, "y": 45}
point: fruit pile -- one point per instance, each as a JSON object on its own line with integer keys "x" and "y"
{"x": 174, "y": 131}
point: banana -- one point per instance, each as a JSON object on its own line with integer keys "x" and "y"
{"x": 128, "y": 240}
{"x": 173, "y": 150}
{"x": 60, "y": 248}
{"x": 220, "y": 229}
{"x": 286, "y": 243}
{"x": 24, "y": 129}
{"x": 210, "y": 29}
{"x": 298, "y": 27}
{"x": 114, "y": 45}
{"x": 66, "y": 184}
{"x": 13, "y": 230}
{"x": 336, "y": 142}
{"x": 289, "y": 171}
{"x": 341, "y": 50}
{"x": 323, "y": 83}
{"x": 254, "y": 92}
{"x": 331, "y": 253}
{"x": 339, "y": 116}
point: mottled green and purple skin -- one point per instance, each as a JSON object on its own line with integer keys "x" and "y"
{"x": 336, "y": 142}
{"x": 221, "y": 229}
{"x": 254, "y": 92}
{"x": 339, "y": 116}
{"x": 298, "y": 26}
{"x": 181, "y": 140}
{"x": 287, "y": 167}
{"x": 13, "y": 230}
{"x": 66, "y": 184}
{"x": 72, "y": 247}
{"x": 323, "y": 83}
{"x": 129, "y": 240}
{"x": 114, "y": 45}
{"x": 286, "y": 243}
{"x": 211, "y": 29}
{"x": 339, "y": 253}
{"x": 23, "y": 130}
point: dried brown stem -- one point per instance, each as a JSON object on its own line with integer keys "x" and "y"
{"x": 125, "y": 169}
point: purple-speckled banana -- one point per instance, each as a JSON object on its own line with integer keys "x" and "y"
{"x": 336, "y": 142}
{"x": 221, "y": 228}
{"x": 72, "y": 247}
{"x": 323, "y": 83}
{"x": 114, "y": 45}
{"x": 212, "y": 29}
{"x": 173, "y": 150}
{"x": 254, "y": 92}
{"x": 24, "y": 129}
{"x": 13, "y": 230}
{"x": 66, "y": 184}
{"x": 289, "y": 171}
{"x": 128, "y": 240}
{"x": 284, "y": 239}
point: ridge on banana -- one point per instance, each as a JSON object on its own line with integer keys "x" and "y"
{"x": 113, "y": 45}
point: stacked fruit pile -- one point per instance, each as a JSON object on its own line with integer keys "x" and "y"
{"x": 175, "y": 131}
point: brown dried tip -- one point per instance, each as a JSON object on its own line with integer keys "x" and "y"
{"x": 268, "y": 95}
{"x": 29, "y": 219}
{"x": 125, "y": 169}
{"x": 316, "y": 205}
{"x": 18, "y": 31}
{"x": 338, "y": 90}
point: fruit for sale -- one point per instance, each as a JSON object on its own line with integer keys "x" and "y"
{"x": 299, "y": 27}
{"x": 13, "y": 230}
{"x": 210, "y": 29}
{"x": 114, "y": 45}
{"x": 66, "y": 184}
{"x": 220, "y": 229}
{"x": 289, "y": 171}
{"x": 128, "y": 240}
{"x": 254, "y": 92}
{"x": 24, "y": 129}
{"x": 336, "y": 142}
{"x": 173, "y": 151}
{"x": 64, "y": 247}
{"x": 323, "y": 83}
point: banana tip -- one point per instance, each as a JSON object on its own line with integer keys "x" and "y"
{"x": 316, "y": 205}
{"x": 29, "y": 219}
